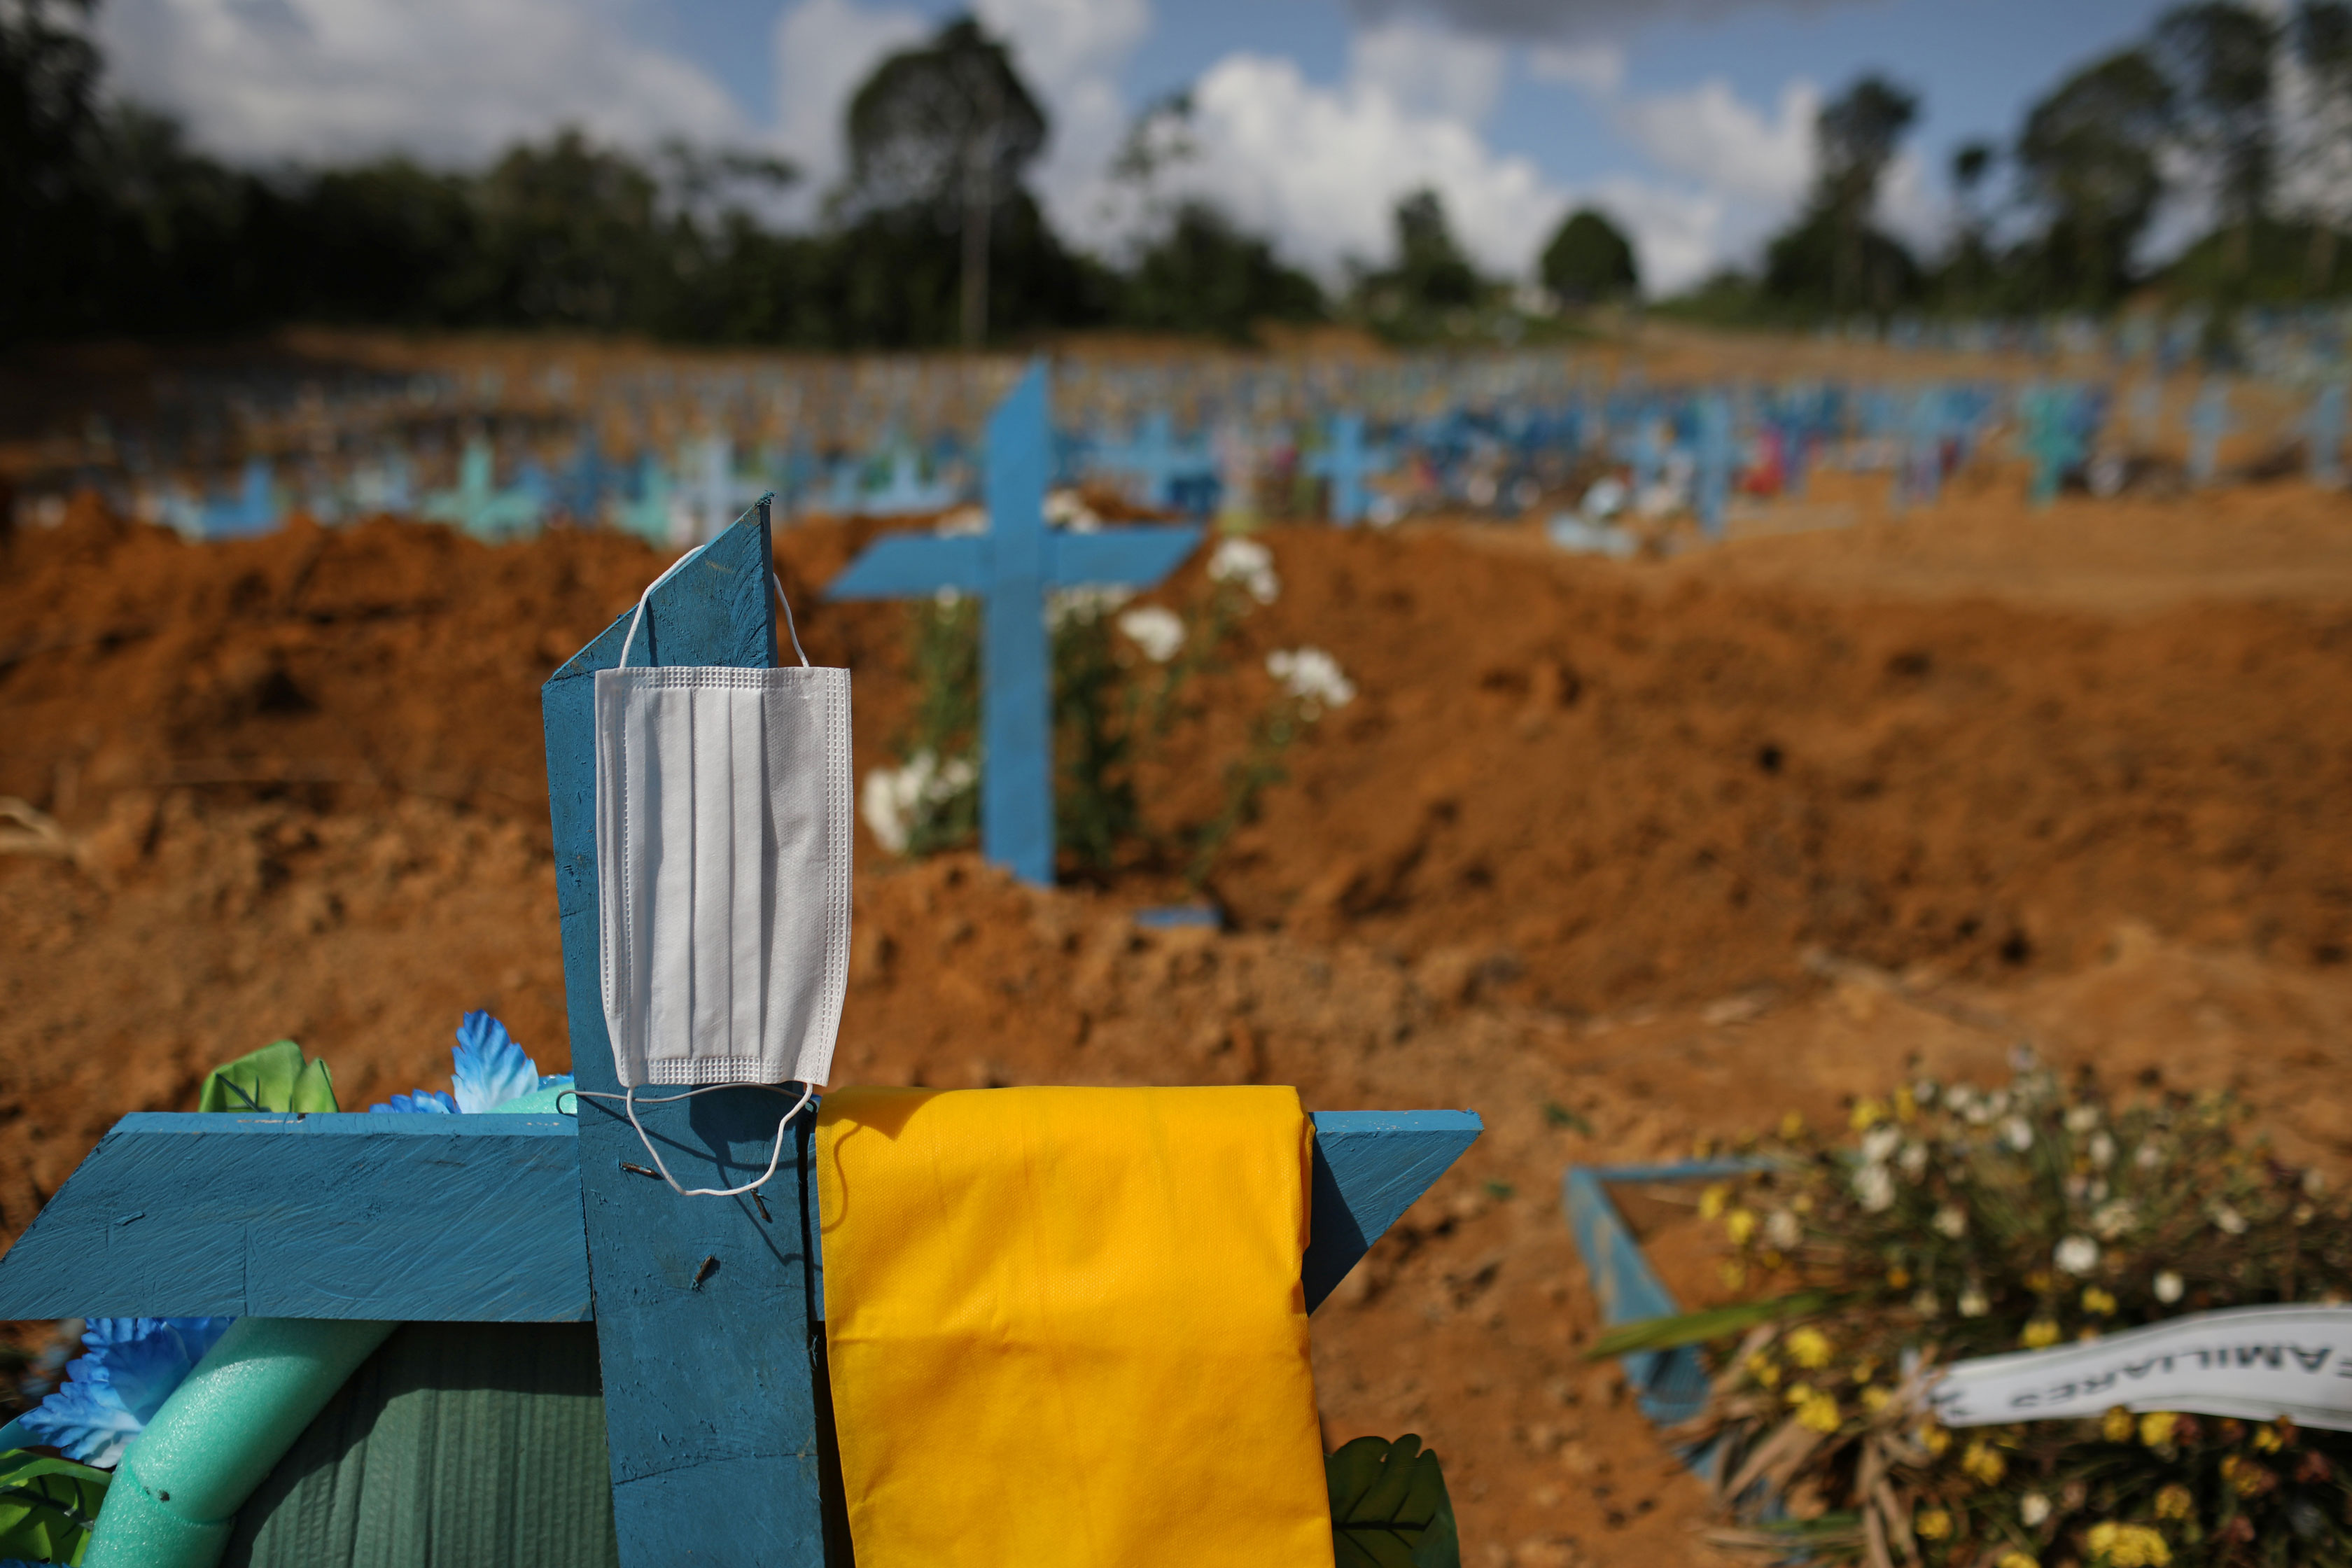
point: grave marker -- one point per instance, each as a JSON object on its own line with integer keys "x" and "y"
{"x": 1347, "y": 463}
{"x": 1012, "y": 567}
{"x": 2208, "y": 422}
{"x": 2325, "y": 433}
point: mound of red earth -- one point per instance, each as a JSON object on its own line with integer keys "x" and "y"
{"x": 1667, "y": 854}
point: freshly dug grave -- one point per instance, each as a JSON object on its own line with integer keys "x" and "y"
{"x": 1672, "y": 850}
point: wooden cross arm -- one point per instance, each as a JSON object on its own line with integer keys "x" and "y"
{"x": 912, "y": 565}
{"x": 468, "y": 1218}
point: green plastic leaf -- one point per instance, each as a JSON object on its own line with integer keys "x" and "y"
{"x": 48, "y": 1506}
{"x": 1707, "y": 1323}
{"x": 1389, "y": 1506}
{"x": 277, "y": 1076}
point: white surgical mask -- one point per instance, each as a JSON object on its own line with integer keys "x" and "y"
{"x": 722, "y": 860}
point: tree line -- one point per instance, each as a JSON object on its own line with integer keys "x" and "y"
{"x": 112, "y": 224}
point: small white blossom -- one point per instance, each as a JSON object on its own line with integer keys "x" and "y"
{"x": 1913, "y": 1159}
{"x": 1959, "y": 1099}
{"x": 2018, "y": 1134}
{"x": 2169, "y": 1287}
{"x": 1926, "y": 1305}
{"x": 1084, "y": 604}
{"x": 1312, "y": 676}
{"x": 1247, "y": 563}
{"x": 2082, "y": 1118}
{"x": 1878, "y": 1144}
{"x": 1924, "y": 1091}
{"x": 2314, "y": 1183}
{"x": 893, "y": 801}
{"x": 1067, "y": 508}
{"x": 1874, "y": 1189}
{"x": 2113, "y": 1220}
{"x": 1952, "y": 1220}
{"x": 2227, "y": 1220}
{"x": 2150, "y": 1156}
{"x": 2077, "y": 1255}
{"x": 1996, "y": 1104}
{"x": 2103, "y": 1149}
{"x": 1784, "y": 1230}
{"x": 1158, "y": 632}
{"x": 2032, "y": 1510}
{"x": 1972, "y": 1301}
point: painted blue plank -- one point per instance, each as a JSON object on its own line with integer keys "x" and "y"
{"x": 703, "y": 1305}
{"x": 1016, "y": 668}
{"x": 1370, "y": 1166}
{"x": 1670, "y": 1385}
{"x": 452, "y": 1218}
{"x": 1137, "y": 556}
{"x": 914, "y": 566}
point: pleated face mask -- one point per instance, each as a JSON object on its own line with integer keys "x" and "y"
{"x": 722, "y": 859}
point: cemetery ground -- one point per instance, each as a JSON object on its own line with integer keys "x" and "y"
{"x": 1624, "y": 856}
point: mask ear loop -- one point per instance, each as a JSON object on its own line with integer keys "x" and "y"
{"x": 628, "y": 1100}
{"x": 792, "y": 627}
{"x": 792, "y": 630}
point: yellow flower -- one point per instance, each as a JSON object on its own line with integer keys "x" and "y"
{"x": 1931, "y": 1524}
{"x": 1792, "y": 1127}
{"x": 2267, "y": 1439}
{"x": 2016, "y": 1560}
{"x": 1819, "y": 1412}
{"x": 1797, "y": 1393}
{"x": 2245, "y": 1478}
{"x": 2097, "y": 1301}
{"x": 2039, "y": 1333}
{"x": 1712, "y": 1202}
{"x": 1876, "y": 1399}
{"x": 1864, "y": 1371}
{"x": 1740, "y": 1225}
{"x": 1764, "y": 1370}
{"x": 1810, "y": 1348}
{"x": 2115, "y": 1426}
{"x": 2127, "y": 1546}
{"x": 1734, "y": 1274}
{"x": 2175, "y": 1502}
{"x": 2155, "y": 1428}
{"x": 1801, "y": 1204}
{"x": 1907, "y": 1104}
{"x": 1935, "y": 1439}
{"x": 1984, "y": 1465}
{"x": 1868, "y": 1113}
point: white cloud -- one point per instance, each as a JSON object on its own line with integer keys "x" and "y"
{"x": 1708, "y": 134}
{"x": 1071, "y": 52}
{"x": 1321, "y": 168}
{"x": 1595, "y": 67}
{"x": 824, "y": 48}
{"x": 443, "y": 80}
{"x": 1429, "y": 71}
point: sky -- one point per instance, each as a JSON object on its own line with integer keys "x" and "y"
{"x": 1688, "y": 121}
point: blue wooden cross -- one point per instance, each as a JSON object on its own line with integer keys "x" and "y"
{"x": 1012, "y": 568}
{"x": 1348, "y": 462}
{"x": 254, "y": 510}
{"x": 1178, "y": 475}
{"x": 479, "y": 507}
{"x": 1712, "y": 482}
{"x": 2325, "y": 434}
{"x": 2208, "y": 422}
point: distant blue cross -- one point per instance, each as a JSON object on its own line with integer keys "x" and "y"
{"x": 1711, "y": 487}
{"x": 2208, "y": 422}
{"x": 2327, "y": 436}
{"x": 1346, "y": 462}
{"x": 253, "y": 511}
{"x": 1170, "y": 471}
{"x": 1012, "y": 567}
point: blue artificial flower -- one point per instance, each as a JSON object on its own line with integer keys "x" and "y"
{"x": 490, "y": 1069}
{"x": 112, "y": 1393}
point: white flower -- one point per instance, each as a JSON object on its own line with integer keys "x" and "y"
{"x": 1924, "y": 1091}
{"x": 2032, "y": 1510}
{"x": 2114, "y": 1219}
{"x": 1068, "y": 509}
{"x": 1952, "y": 1220}
{"x": 963, "y": 519}
{"x": 1878, "y": 1144}
{"x": 2082, "y": 1118}
{"x": 1157, "y": 632}
{"x": 1312, "y": 676}
{"x": 1784, "y": 1230}
{"x": 2103, "y": 1149}
{"x": 1959, "y": 1099}
{"x": 2018, "y": 1134}
{"x": 1247, "y": 563}
{"x": 948, "y": 597}
{"x": 1914, "y": 1160}
{"x": 2229, "y": 1221}
{"x": 1972, "y": 1301}
{"x": 1874, "y": 1189}
{"x": 2150, "y": 1156}
{"x": 1996, "y": 1104}
{"x": 2077, "y": 1255}
{"x": 893, "y": 801}
{"x": 1925, "y": 1304}
{"x": 1084, "y": 604}
{"x": 2168, "y": 1287}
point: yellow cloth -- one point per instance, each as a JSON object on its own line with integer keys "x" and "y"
{"x": 1065, "y": 1328}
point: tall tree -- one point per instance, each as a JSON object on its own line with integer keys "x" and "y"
{"x": 948, "y": 126}
{"x": 2089, "y": 157}
{"x": 1590, "y": 260}
{"x": 49, "y": 124}
{"x": 2321, "y": 34}
{"x": 1854, "y": 139}
{"x": 2218, "y": 59}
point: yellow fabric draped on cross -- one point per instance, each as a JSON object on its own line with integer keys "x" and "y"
{"x": 1065, "y": 1328}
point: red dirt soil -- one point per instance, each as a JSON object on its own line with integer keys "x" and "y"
{"x": 1677, "y": 846}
